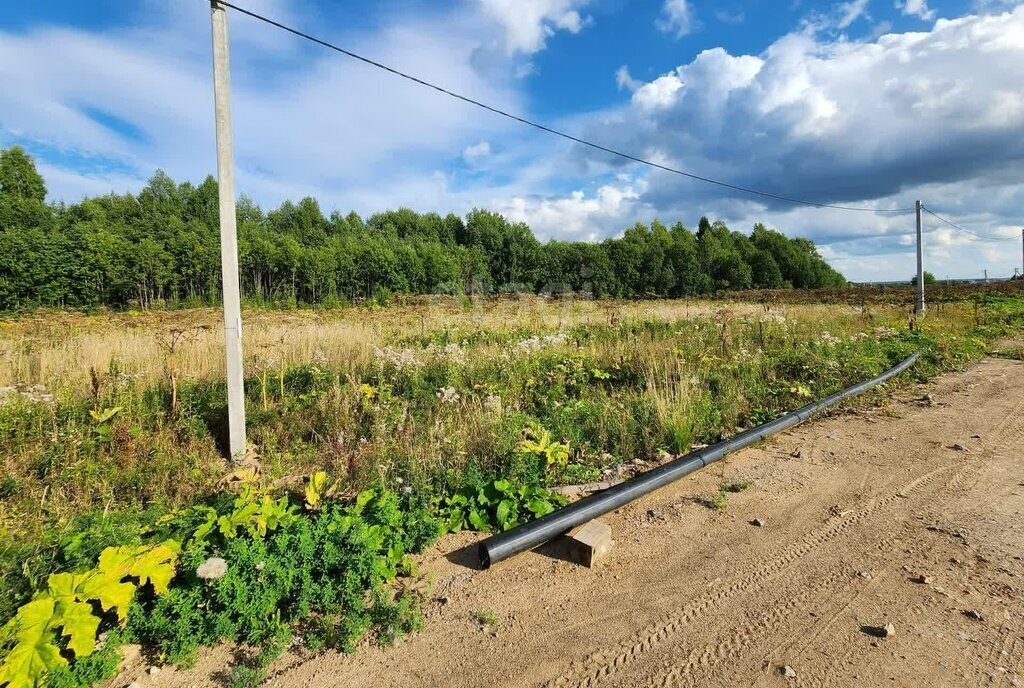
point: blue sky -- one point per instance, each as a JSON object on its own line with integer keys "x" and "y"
{"x": 858, "y": 102}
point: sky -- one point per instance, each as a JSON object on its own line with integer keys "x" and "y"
{"x": 868, "y": 103}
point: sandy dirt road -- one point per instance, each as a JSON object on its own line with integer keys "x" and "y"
{"x": 856, "y": 508}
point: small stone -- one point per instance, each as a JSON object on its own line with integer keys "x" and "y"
{"x": 787, "y": 671}
{"x": 796, "y": 453}
{"x": 888, "y": 630}
{"x": 958, "y": 447}
{"x": 154, "y": 670}
{"x": 654, "y": 513}
{"x": 443, "y": 599}
{"x": 923, "y": 579}
{"x": 134, "y": 684}
{"x": 866, "y": 575}
{"x": 757, "y": 522}
{"x": 974, "y": 614}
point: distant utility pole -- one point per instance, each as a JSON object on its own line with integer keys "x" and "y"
{"x": 919, "y": 301}
{"x": 228, "y": 232}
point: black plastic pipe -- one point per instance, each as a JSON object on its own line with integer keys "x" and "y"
{"x": 530, "y": 535}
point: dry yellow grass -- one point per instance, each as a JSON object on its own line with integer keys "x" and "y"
{"x": 58, "y": 349}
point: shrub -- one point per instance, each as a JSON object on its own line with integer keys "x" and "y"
{"x": 499, "y": 505}
{"x": 319, "y": 566}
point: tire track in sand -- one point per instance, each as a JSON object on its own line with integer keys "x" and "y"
{"x": 840, "y": 585}
{"x": 747, "y": 578}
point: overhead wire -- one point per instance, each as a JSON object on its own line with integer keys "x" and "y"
{"x": 545, "y": 128}
{"x": 957, "y": 227}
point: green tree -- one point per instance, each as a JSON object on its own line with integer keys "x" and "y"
{"x": 161, "y": 246}
{"x": 18, "y": 176}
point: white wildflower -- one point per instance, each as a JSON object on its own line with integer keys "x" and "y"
{"x": 531, "y": 344}
{"x": 212, "y": 569}
{"x": 399, "y": 358}
{"x": 492, "y": 403}
{"x": 884, "y": 332}
{"x": 448, "y": 395}
{"x": 554, "y": 339}
{"x": 537, "y": 343}
{"x": 35, "y": 394}
{"x": 454, "y": 352}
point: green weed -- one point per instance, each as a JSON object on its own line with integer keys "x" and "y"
{"x": 734, "y": 486}
{"x": 498, "y": 505}
{"x": 485, "y": 618}
{"x": 719, "y": 501}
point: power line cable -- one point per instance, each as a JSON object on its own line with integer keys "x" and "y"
{"x": 957, "y": 227}
{"x": 542, "y": 127}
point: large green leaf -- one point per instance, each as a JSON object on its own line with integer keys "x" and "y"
{"x": 34, "y": 653}
{"x": 68, "y": 608}
{"x": 109, "y": 591}
{"x": 80, "y": 625}
{"x": 105, "y": 583}
{"x": 478, "y": 520}
{"x": 64, "y": 586}
{"x": 456, "y": 521}
{"x": 503, "y": 511}
{"x": 540, "y": 507}
{"x": 154, "y": 565}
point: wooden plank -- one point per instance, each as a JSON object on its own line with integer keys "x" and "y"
{"x": 590, "y": 542}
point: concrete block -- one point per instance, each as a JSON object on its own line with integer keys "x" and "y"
{"x": 590, "y": 542}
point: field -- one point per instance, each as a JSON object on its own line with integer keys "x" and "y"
{"x": 373, "y": 432}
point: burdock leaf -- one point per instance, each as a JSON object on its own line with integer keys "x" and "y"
{"x": 34, "y": 654}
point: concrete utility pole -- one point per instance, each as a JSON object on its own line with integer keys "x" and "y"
{"x": 919, "y": 302}
{"x": 228, "y": 232}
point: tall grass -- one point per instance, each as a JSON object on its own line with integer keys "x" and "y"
{"x": 99, "y": 414}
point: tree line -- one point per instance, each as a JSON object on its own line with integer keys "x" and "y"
{"x": 161, "y": 246}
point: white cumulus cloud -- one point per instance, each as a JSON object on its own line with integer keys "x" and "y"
{"x": 300, "y": 128}
{"x": 850, "y": 12}
{"x": 916, "y": 8}
{"x": 936, "y": 115}
{"x": 840, "y": 120}
{"x": 579, "y": 215}
{"x": 529, "y": 23}
{"x": 625, "y": 80}
{"x": 477, "y": 150}
{"x": 659, "y": 93}
{"x": 677, "y": 18}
